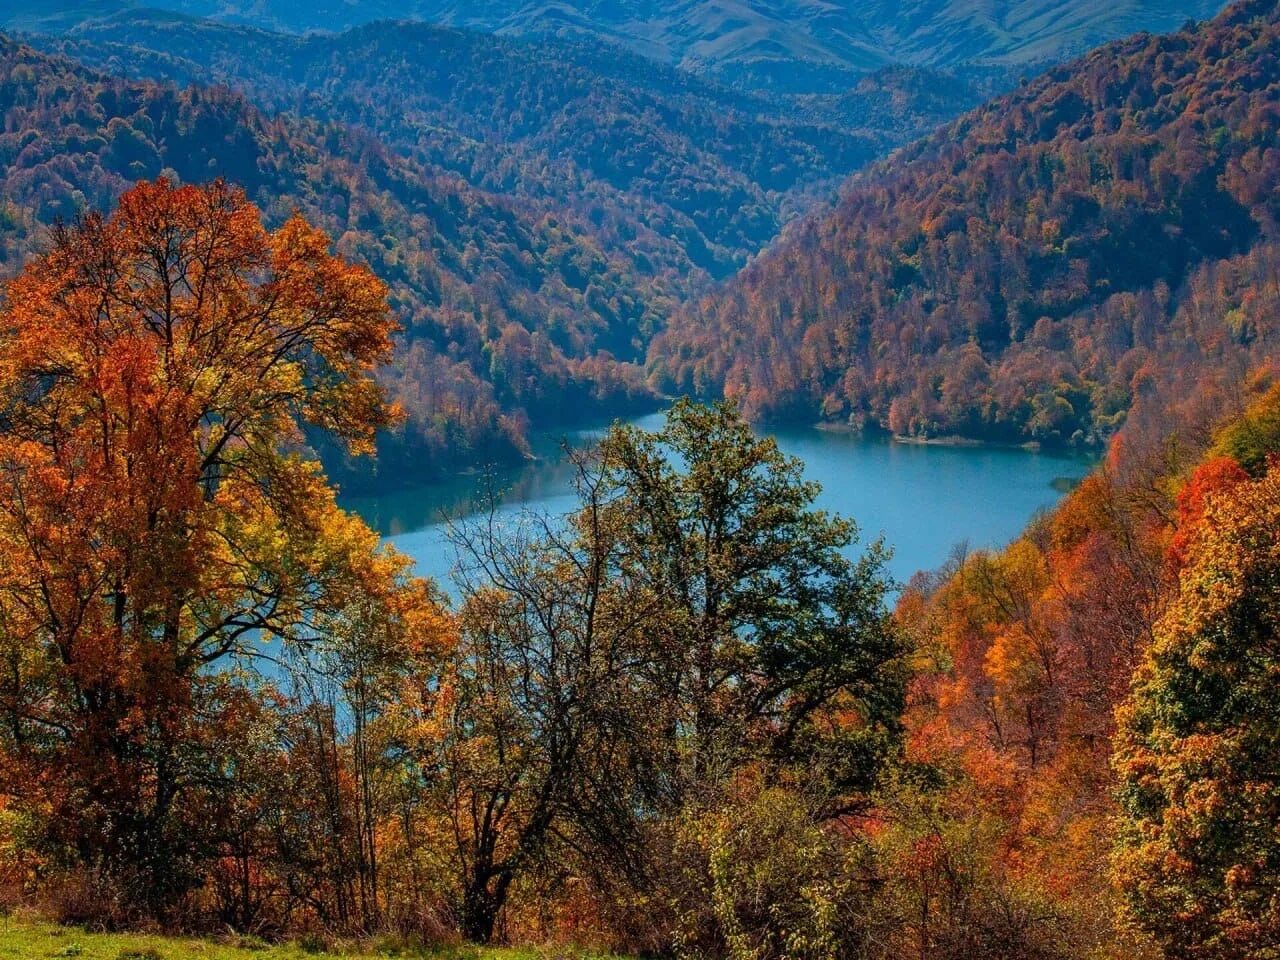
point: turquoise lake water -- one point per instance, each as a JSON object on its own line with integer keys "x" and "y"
{"x": 924, "y": 499}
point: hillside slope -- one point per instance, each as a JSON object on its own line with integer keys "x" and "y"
{"x": 508, "y": 312}
{"x": 1013, "y": 276}
{"x": 648, "y": 148}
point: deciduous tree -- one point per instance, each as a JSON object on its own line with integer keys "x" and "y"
{"x": 1198, "y": 856}
{"x": 157, "y": 516}
{"x": 774, "y": 642}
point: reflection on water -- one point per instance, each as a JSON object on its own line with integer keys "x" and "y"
{"x": 924, "y": 499}
{"x": 404, "y": 511}
{"x": 537, "y": 484}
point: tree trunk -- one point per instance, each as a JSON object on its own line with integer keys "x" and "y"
{"x": 481, "y": 906}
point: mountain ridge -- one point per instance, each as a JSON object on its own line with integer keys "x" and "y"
{"x": 1014, "y": 276}
{"x": 801, "y": 46}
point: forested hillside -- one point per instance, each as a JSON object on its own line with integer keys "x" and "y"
{"x": 1092, "y": 697}
{"x": 506, "y": 312}
{"x": 640, "y": 148}
{"x": 613, "y": 188}
{"x": 1022, "y": 273}
{"x": 540, "y": 208}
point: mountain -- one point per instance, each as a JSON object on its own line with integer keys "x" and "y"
{"x": 651, "y": 150}
{"x": 541, "y": 205}
{"x": 508, "y": 313}
{"x": 1017, "y": 275}
{"x": 539, "y": 208}
{"x": 803, "y": 46}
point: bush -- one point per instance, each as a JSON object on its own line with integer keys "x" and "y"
{"x": 763, "y": 878}
{"x": 944, "y": 894}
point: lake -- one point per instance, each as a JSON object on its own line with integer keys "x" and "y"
{"x": 924, "y": 499}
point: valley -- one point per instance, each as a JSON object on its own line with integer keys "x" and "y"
{"x": 707, "y": 480}
{"x": 535, "y": 249}
{"x": 925, "y": 501}
{"x": 550, "y": 213}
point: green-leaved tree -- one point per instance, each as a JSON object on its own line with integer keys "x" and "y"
{"x": 1198, "y": 747}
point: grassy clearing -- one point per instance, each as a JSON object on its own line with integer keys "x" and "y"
{"x": 34, "y": 940}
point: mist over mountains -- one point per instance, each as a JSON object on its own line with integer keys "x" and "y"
{"x": 802, "y": 46}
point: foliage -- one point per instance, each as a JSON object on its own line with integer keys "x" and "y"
{"x": 1021, "y": 659}
{"x": 1217, "y": 476}
{"x": 156, "y": 523}
{"x": 1197, "y": 853}
{"x": 506, "y": 312}
{"x": 697, "y": 176}
{"x": 943, "y": 895}
{"x": 1024, "y": 273}
{"x": 770, "y": 631}
{"x": 1255, "y": 437}
{"x": 538, "y": 716}
{"x": 695, "y": 620}
{"x": 767, "y": 877}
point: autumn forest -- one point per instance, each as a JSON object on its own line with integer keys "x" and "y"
{"x": 255, "y": 259}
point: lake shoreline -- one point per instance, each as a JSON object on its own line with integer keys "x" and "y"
{"x": 924, "y": 497}
{"x": 945, "y": 440}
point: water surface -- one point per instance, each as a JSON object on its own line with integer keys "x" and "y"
{"x": 924, "y": 499}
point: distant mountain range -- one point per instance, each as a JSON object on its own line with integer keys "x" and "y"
{"x": 805, "y": 46}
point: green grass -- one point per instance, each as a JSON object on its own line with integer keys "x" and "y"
{"x": 34, "y": 940}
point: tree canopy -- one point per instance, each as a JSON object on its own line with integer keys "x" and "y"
{"x": 156, "y": 517}
{"x": 1197, "y": 742}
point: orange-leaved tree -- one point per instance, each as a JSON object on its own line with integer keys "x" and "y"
{"x": 1197, "y": 750}
{"x": 158, "y": 517}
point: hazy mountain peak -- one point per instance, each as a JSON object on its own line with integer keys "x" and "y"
{"x": 794, "y": 45}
